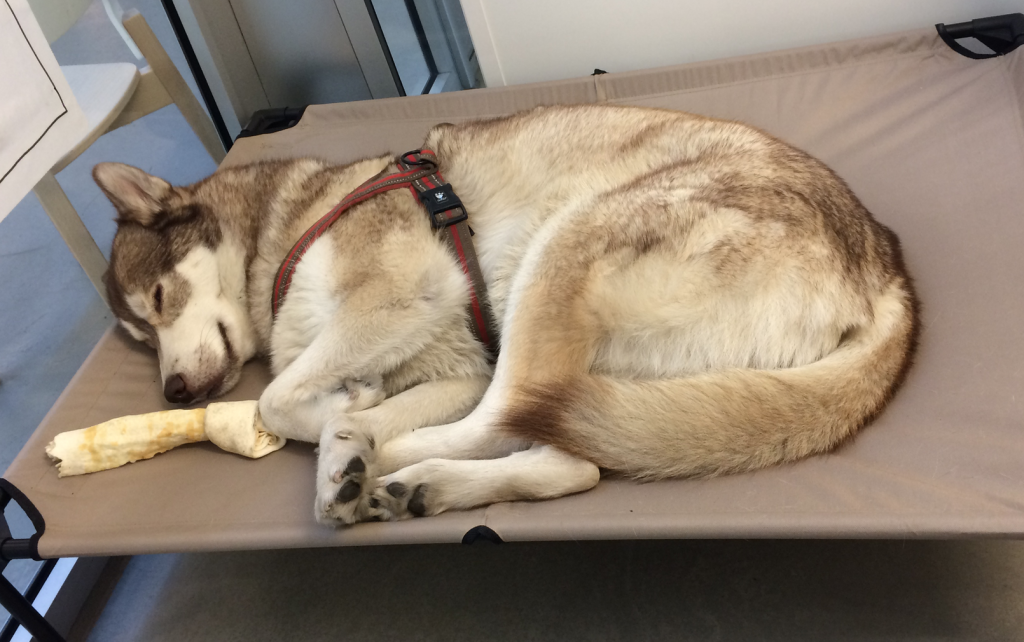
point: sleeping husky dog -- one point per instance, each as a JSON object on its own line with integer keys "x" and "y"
{"x": 675, "y": 296}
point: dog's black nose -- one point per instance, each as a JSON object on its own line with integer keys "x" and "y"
{"x": 176, "y": 391}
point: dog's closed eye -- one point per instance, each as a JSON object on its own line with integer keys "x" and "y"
{"x": 158, "y": 298}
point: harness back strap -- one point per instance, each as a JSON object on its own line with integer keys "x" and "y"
{"x": 418, "y": 171}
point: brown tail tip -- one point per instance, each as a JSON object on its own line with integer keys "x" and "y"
{"x": 540, "y": 413}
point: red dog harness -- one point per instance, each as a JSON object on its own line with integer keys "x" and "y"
{"x": 418, "y": 171}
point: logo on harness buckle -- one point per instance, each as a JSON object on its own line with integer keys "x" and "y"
{"x": 444, "y": 206}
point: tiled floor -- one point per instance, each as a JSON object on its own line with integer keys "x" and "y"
{"x": 792, "y": 591}
{"x": 772, "y": 591}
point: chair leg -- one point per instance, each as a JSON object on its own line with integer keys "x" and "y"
{"x": 175, "y": 85}
{"x": 73, "y": 230}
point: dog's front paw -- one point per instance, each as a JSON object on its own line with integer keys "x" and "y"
{"x": 343, "y": 468}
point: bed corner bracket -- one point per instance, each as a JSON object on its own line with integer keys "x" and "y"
{"x": 1001, "y": 34}
{"x": 12, "y": 548}
{"x": 481, "y": 534}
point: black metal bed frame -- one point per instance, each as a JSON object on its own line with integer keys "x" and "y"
{"x": 19, "y": 605}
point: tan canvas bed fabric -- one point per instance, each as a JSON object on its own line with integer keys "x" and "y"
{"x": 932, "y": 142}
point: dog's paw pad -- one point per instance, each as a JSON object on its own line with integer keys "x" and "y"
{"x": 417, "y": 504}
{"x": 395, "y": 500}
{"x": 349, "y": 491}
{"x": 356, "y": 466}
{"x": 341, "y": 479}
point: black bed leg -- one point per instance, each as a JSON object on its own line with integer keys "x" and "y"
{"x": 25, "y": 614}
{"x": 18, "y": 605}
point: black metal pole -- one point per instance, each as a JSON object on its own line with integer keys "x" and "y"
{"x": 7, "y": 633}
{"x": 18, "y": 605}
{"x": 25, "y": 614}
{"x": 197, "y": 72}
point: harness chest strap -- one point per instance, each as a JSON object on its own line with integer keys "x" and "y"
{"x": 418, "y": 171}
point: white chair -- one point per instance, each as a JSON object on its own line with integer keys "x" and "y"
{"x": 112, "y": 95}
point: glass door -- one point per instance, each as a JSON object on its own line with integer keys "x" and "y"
{"x": 427, "y": 44}
{"x": 251, "y": 56}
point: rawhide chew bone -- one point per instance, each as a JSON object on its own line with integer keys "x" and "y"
{"x": 233, "y": 426}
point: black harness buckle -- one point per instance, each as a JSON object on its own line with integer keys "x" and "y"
{"x": 444, "y": 206}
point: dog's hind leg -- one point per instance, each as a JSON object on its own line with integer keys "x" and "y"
{"x": 471, "y": 437}
{"x": 471, "y": 462}
{"x": 548, "y": 341}
{"x": 437, "y": 485}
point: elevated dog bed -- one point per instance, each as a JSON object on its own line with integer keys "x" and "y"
{"x": 932, "y": 142}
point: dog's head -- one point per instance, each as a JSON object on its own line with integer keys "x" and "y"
{"x": 176, "y": 283}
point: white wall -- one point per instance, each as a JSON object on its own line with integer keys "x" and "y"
{"x": 519, "y": 41}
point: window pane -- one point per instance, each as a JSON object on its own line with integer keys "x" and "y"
{"x": 402, "y": 39}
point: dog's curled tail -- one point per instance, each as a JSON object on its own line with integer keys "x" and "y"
{"x": 730, "y": 420}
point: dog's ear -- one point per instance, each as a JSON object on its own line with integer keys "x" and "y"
{"x": 138, "y": 196}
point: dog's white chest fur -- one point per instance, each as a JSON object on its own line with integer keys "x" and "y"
{"x": 312, "y": 302}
